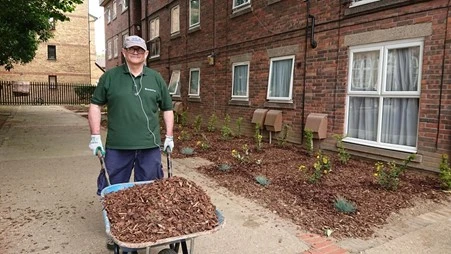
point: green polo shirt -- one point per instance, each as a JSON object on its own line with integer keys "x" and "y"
{"x": 133, "y": 107}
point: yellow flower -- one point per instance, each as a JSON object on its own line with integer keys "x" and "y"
{"x": 302, "y": 167}
{"x": 198, "y": 143}
{"x": 375, "y": 174}
{"x": 325, "y": 160}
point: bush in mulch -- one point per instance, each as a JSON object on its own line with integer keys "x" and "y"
{"x": 164, "y": 208}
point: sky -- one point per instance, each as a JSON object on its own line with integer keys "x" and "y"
{"x": 96, "y": 10}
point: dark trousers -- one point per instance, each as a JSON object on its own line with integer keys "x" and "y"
{"x": 120, "y": 163}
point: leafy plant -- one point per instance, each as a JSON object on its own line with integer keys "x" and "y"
{"x": 343, "y": 155}
{"x": 445, "y": 173}
{"x": 388, "y": 177}
{"x": 184, "y": 136}
{"x": 258, "y": 137}
{"x": 224, "y": 167}
{"x": 184, "y": 118}
{"x": 239, "y": 121}
{"x": 84, "y": 92}
{"x": 241, "y": 157}
{"x": 308, "y": 142}
{"x": 262, "y": 180}
{"x": 344, "y": 206}
{"x": 226, "y": 132}
{"x": 211, "y": 126}
{"x": 197, "y": 123}
{"x": 283, "y": 136}
{"x": 203, "y": 145}
{"x": 321, "y": 167}
{"x": 187, "y": 151}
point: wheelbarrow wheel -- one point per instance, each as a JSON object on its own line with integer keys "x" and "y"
{"x": 167, "y": 251}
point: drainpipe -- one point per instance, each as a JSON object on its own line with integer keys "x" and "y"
{"x": 305, "y": 68}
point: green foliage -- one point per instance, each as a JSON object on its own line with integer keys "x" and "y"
{"x": 308, "y": 142}
{"x": 445, "y": 173}
{"x": 211, "y": 127}
{"x": 321, "y": 167}
{"x": 224, "y": 167}
{"x": 184, "y": 136}
{"x": 187, "y": 151}
{"x": 258, "y": 137}
{"x": 283, "y": 136}
{"x": 84, "y": 92}
{"x": 203, "y": 145}
{"x": 226, "y": 132}
{"x": 262, "y": 180}
{"x": 197, "y": 123}
{"x": 241, "y": 157}
{"x": 25, "y": 24}
{"x": 239, "y": 122}
{"x": 343, "y": 155}
{"x": 344, "y": 206}
{"x": 184, "y": 118}
{"x": 388, "y": 177}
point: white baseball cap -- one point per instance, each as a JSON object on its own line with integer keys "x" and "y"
{"x": 134, "y": 40}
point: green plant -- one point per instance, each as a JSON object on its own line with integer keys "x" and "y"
{"x": 321, "y": 167}
{"x": 258, "y": 137}
{"x": 308, "y": 143}
{"x": 211, "y": 126}
{"x": 198, "y": 123}
{"x": 283, "y": 136}
{"x": 184, "y": 118}
{"x": 445, "y": 173}
{"x": 388, "y": 177}
{"x": 262, "y": 180}
{"x": 203, "y": 145}
{"x": 343, "y": 155}
{"x": 226, "y": 132}
{"x": 344, "y": 206}
{"x": 239, "y": 122}
{"x": 244, "y": 157}
{"x": 184, "y": 136}
{"x": 187, "y": 151}
{"x": 224, "y": 167}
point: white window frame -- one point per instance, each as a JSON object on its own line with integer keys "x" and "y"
{"x": 124, "y": 5}
{"x": 114, "y": 9}
{"x": 175, "y": 80}
{"x": 115, "y": 46}
{"x": 361, "y": 2}
{"x": 198, "y": 84}
{"x": 193, "y": 25}
{"x": 380, "y": 92}
{"x": 290, "y": 92}
{"x": 154, "y": 28}
{"x": 109, "y": 50}
{"x": 240, "y": 97}
{"x": 175, "y": 14}
{"x": 238, "y": 6}
{"x": 108, "y": 14}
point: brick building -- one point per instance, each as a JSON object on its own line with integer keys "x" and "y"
{"x": 375, "y": 71}
{"x": 68, "y": 57}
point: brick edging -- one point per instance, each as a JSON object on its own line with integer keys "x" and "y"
{"x": 320, "y": 245}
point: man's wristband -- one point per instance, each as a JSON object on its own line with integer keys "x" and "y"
{"x": 169, "y": 137}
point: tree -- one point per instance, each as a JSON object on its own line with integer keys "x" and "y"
{"x": 26, "y": 23}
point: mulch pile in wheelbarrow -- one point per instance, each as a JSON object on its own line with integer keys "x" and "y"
{"x": 165, "y": 208}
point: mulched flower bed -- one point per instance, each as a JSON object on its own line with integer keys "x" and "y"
{"x": 165, "y": 208}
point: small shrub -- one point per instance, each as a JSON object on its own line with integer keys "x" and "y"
{"x": 187, "y": 151}
{"x": 239, "y": 121}
{"x": 211, "y": 126}
{"x": 445, "y": 173}
{"x": 226, "y": 132}
{"x": 203, "y": 145}
{"x": 258, "y": 137}
{"x": 224, "y": 167}
{"x": 343, "y": 155}
{"x": 388, "y": 177}
{"x": 308, "y": 142}
{"x": 321, "y": 167}
{"x": 184, "y": 118}
{"x": 262, "y": 180}
{"x": 283, "y": 136}
{"x": 197, "y": 123}
{"x": 184, "y": 136}
{"x": 244, "y": 157}
{"x": 344, "y": 206}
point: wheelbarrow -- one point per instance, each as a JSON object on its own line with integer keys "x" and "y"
{"x": 173, "y": 243}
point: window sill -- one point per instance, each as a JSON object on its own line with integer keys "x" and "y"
{"x": 280, "y": 104}
{"x": 241, "y": 11}
{"x": 176, "y": 97}
{"x": 235, "y": 102}
{"x": 175, "y": 35}
{"x": 377, "y": 6}
{"x": 389, "y": 153}
{"x": 194, "y": 98}
{"x": 153, "y": 58}
{"x": 273, "y": 1}
{"x": 194, "y": 29}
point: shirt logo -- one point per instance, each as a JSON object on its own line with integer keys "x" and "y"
{"x": 149, "y": 89}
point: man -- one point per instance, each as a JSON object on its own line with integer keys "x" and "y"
{"x": 134, "y": 95}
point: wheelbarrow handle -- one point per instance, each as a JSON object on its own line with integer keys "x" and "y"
{"x": 103, "y": 167}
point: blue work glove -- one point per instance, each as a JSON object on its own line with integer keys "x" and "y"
{"x": 96, "y": 145}
{"x": 168, "y": 144}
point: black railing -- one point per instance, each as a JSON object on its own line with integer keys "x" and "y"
{"x": 33, "y": 93}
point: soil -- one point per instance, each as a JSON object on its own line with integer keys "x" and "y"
{"x": 279, "y": 177}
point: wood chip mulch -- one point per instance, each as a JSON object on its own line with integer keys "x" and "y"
{"x": 165, "y": 208}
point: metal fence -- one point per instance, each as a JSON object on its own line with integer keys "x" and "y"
{"x": 33, "y": 93}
